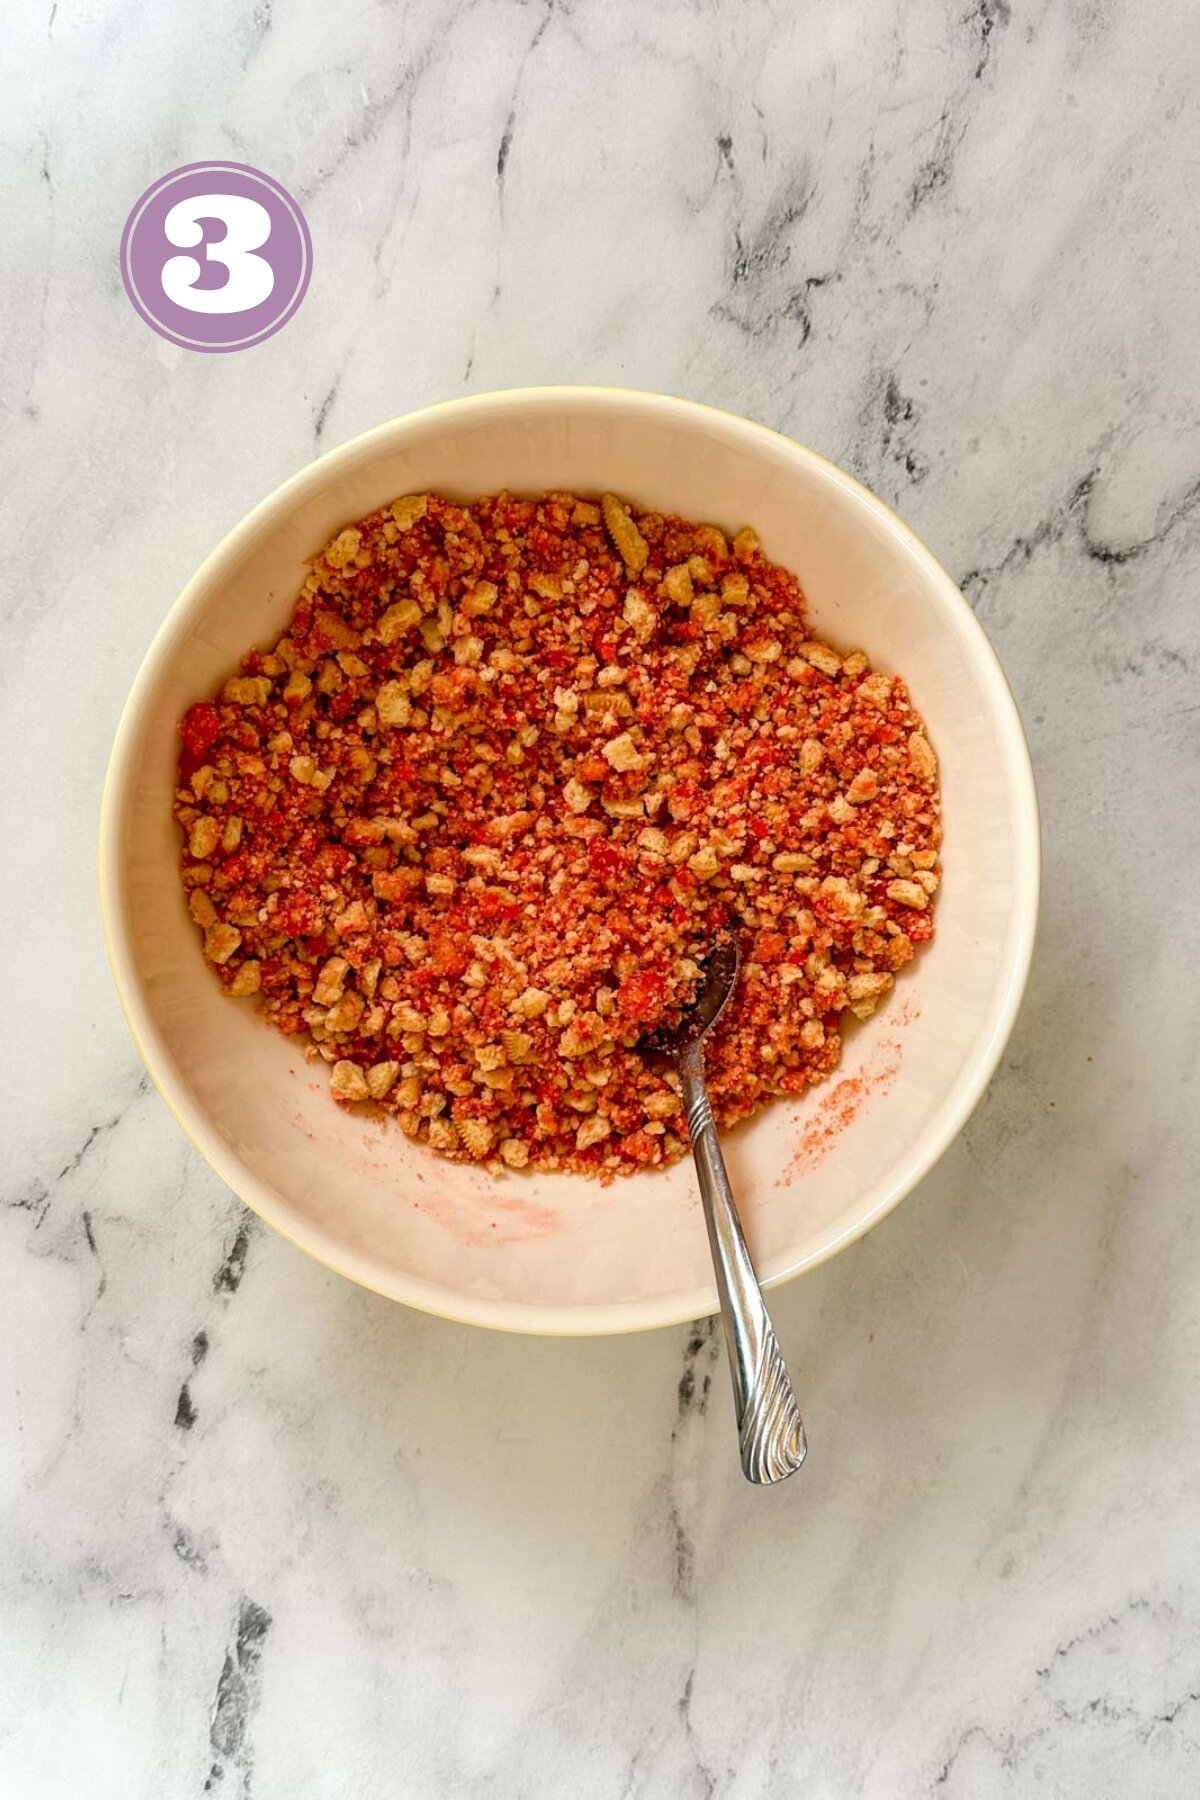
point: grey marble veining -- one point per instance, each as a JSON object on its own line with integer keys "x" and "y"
{"x": 266, "y": 1535}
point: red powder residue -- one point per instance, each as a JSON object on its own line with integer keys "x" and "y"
{"x": 842, "y": 1103}
{"x": 487, "y": 1214}
{"x": 511, "y": 1221}
{"x": 483, "y": 1222}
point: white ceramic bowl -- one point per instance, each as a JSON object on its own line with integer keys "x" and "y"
{"x": 558, "y": 1254}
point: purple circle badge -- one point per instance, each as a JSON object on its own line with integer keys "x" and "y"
{"x": 216, "y": 256}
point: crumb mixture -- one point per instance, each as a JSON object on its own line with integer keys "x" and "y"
{"x": 473, "y": 820}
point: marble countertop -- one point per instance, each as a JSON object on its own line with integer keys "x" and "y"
{"x": 266, "y": 1535}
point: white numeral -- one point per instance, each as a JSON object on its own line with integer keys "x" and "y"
{"x": 247, "y": 227}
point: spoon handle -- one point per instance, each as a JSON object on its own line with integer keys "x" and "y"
{"x": 770, "y": 1430}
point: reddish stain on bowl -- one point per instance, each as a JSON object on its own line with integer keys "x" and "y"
{"x": 841, "y": 1104}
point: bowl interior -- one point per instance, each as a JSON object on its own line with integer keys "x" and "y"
{"x": 557, "y": 1253}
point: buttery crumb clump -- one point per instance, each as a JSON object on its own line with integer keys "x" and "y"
{"x": 472, "y": 821}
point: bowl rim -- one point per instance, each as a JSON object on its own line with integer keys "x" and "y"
{"x": 610, "y": 1318}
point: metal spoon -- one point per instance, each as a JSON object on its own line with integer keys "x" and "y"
{"x": 770, "y": 1430}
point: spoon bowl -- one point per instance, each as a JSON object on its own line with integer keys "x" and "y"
{"x": 720, "y": 978}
